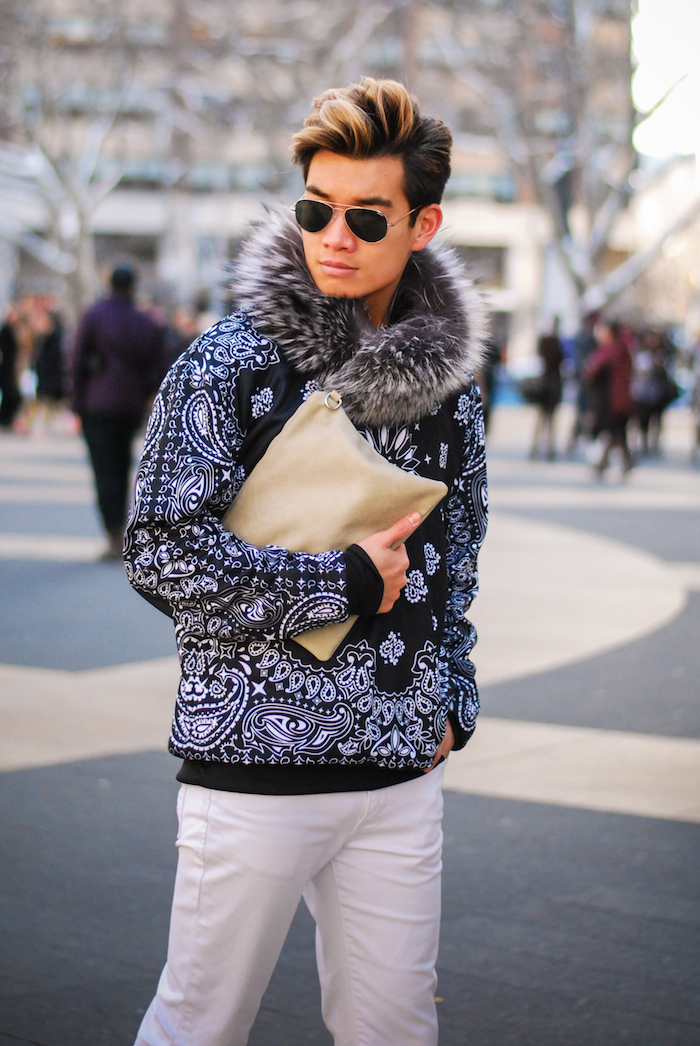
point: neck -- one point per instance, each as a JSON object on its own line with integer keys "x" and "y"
{"x": 379, "y": 307}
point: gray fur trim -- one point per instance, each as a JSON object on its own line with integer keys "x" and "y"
{"x": 386, "y": 375}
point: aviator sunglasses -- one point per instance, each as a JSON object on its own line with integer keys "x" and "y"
{"x": 368, "y": 225}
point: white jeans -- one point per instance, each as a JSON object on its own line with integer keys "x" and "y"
{"x": 368, "y": 866}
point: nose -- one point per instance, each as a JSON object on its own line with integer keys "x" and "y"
{"x": 336, "y": 234}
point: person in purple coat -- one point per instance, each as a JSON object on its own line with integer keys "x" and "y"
{"x": 117, "y": 367}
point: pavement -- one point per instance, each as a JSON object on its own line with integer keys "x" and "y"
{"x": 571, "y": 899}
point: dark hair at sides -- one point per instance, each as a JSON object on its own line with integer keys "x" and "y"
{"x": 375, "y": 118}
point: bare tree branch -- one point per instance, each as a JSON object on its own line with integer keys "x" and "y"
{"x": 643, "y": 117}
{"x": 369, "y": 16}
{"x": 43, "y": 250}
{"x": 604, "y": 292}
{"x": 553, "y": 93}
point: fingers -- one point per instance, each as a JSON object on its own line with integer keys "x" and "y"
{"x": 387, "y": 551}
{"x": 400, "y": 559}
{"x": 393, "y": 576}
{"x": 401, "y": 530}
{"x": 445, "y": 747}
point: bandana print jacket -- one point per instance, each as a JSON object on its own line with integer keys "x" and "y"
{"x": 248, "y": 692}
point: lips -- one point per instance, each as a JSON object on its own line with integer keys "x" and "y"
{"x": 336, "y": 268}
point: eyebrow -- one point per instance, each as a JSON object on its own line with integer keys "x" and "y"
{"x": 359, "y": 201}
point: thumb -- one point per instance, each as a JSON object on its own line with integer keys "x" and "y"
{"x": 398, "y": 533}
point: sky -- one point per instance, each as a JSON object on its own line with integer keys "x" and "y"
{"x": 666, "y": 44}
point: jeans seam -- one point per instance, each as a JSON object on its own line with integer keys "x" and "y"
{"x": 187, "y": 1012}
{"x": 350, "y": 963}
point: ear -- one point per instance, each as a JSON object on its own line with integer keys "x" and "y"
{"x": 427, "y": 224}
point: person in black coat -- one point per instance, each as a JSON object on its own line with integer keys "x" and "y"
{"x": 550, "y": 351}
{"x": 10, "y": 395}
{"x": 117, "y": 367}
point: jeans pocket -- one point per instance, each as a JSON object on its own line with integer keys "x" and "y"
{"x": 193, "y": 805}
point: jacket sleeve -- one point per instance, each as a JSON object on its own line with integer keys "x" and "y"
{"x": 178, "y": 555}
{"x": 466, "y": 516}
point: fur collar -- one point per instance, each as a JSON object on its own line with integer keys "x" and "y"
{"x": 388, "y": 375}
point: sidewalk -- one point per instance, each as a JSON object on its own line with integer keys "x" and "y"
{"x": 571, "y": 896}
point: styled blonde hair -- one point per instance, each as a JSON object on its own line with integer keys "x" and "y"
{"x": 379, "y": 118}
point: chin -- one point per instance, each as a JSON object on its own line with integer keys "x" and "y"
{"x": 334, "y": 287}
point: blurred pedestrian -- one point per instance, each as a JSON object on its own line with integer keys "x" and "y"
{"x": 10, "y": 395}
{"x": 49, "y": 364}
{"x": 180, "y": 333}
{"x": 43, "y": 379}
{"x": 610, "y": 370}
{"x": 551, "y": 352}
{"x": 117, "y": 367}
{"x": 695, "y": 405}
{"x": 653, "y": 390}
{"x": 486, "y": 378}
{"x": 204, "y": 315}
{"x": 188, "y": 322}
{"x": 584, "y": 418}
{"x": 29, "y": 323}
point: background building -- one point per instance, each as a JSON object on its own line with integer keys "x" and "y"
{"x": 158, "y": 132}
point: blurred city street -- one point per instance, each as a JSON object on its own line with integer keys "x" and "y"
{"x": 571, "y": 898}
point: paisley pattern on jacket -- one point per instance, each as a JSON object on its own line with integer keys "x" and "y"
{"x": 248, "y": 692}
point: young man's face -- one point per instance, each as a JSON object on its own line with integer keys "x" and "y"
{"x": 342, "y": 264}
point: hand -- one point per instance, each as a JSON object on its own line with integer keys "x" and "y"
{"x": 448, "y": 743}
{"x": 391, "y": 562}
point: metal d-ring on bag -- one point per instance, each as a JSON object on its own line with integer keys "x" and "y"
{"x": 321, "y": 486}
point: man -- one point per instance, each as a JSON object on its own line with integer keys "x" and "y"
{"x": 117, "y": 367}
{"x": 301, "y": 777}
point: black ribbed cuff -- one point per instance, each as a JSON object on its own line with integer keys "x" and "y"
{"x": 364, "y": 582}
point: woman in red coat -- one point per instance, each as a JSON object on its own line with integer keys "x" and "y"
{"x": 611, "y": 365}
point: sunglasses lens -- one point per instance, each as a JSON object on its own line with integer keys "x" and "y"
{"x": 313, "y": 215}
{"x": 370, "y": 226}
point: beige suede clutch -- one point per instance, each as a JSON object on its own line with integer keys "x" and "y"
{"x": 321, "y": 486}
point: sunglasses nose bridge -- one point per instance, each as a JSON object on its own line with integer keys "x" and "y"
{"x": 338, "y": 212}
{"x": 332, "y": 227}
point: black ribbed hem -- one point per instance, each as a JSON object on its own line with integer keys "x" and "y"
{"x": 310, "y": 779}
